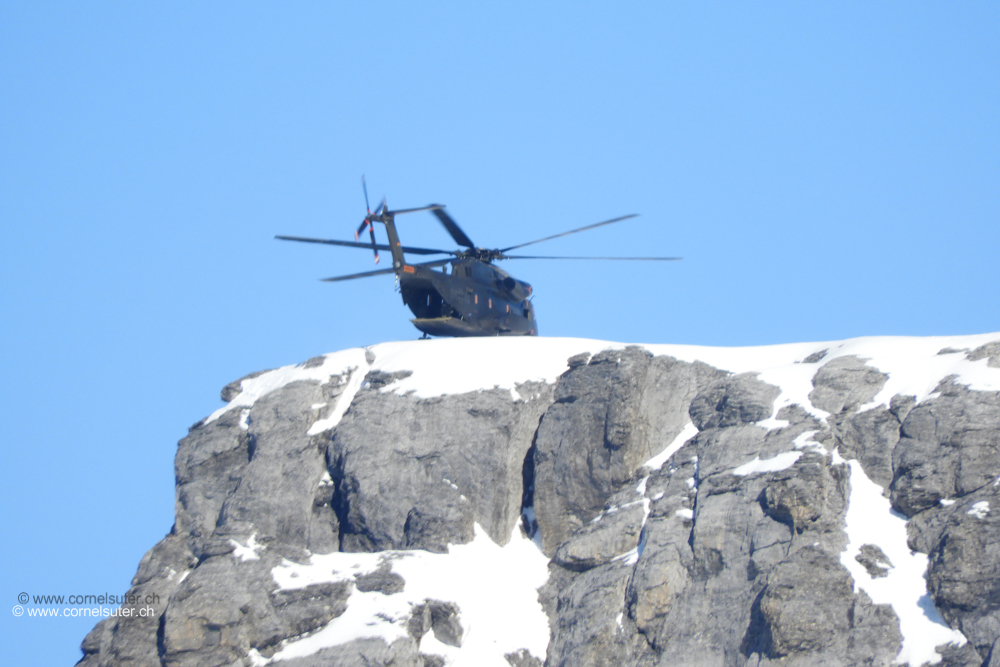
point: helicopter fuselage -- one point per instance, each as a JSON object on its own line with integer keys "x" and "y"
{"x": 475, "y": 299}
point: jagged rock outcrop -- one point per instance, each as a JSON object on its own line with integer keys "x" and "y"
{"x": 418, "y": 474}
{"x": 681, "y": 514}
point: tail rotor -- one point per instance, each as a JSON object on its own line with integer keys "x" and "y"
{"x": 367, "y": 222}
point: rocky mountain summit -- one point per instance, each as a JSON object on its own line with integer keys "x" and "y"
{"x": 563, "y": 502}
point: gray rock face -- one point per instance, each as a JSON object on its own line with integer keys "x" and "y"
{"x": 874, "y": 560}
{"x": 947, "y": 471}
{"x": 949, "y": 447}
{"x": 727, "y": 554}
{"x": 989, "y": 351}
{"x": 373, "y": 652}
{"x": 844, "y": 384}
{"x": 871, "y": 437}
{"x": 609, "y": 416}
{"x": 455, "y": 460}
{"x": 964, "y": 572}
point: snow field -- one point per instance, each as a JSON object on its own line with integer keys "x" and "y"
{"x": 461, "y": 365}
{"x": 494, "y": 587}
{"x": 871, "y": 520}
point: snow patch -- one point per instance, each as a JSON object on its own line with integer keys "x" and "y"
{"x": 248, "y": 552}
{"x": 805, "y": 441}
{"x": 912, "y": 364}
{"x": 980, "y": 509}
{"x": 685, "y": 513}
{"x": 429, "y": 645}
{"x": 835, "y": 458}
{"x": 253, "y": 389}
{"x": 355, "y": 376}
{"x": 871, "y": 520}
{"x": 915, "y": 369}
{"x": 456, "y": 366}
{"x": 463, "y": 365}
{"x": 494, "y": 587}
{"x": 779, "y": 462}
{"x": 688, "y": 432}
{"x": 256, "y": 659}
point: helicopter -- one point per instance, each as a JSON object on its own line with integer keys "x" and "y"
{"x": 477, "y": 298}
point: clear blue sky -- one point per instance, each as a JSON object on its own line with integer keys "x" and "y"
{"x": 826, "y": 171}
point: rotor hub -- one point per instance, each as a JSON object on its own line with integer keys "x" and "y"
{"x": 482, "y": 254}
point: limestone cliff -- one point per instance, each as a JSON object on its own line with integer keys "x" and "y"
{"x": 572, "y": 503}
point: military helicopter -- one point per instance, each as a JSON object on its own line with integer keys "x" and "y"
{"x": 476, "y": 298}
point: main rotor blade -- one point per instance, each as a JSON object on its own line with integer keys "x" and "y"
{"x": 366, "y": 274}
{"x": 456, "y": 232}
{"x": 572, "y": 231}
{"x": 644, "y": 259}
{"x": 368, "y": 246}
{"x": 364, "y": 186}
{"x": 429, "y": 207}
